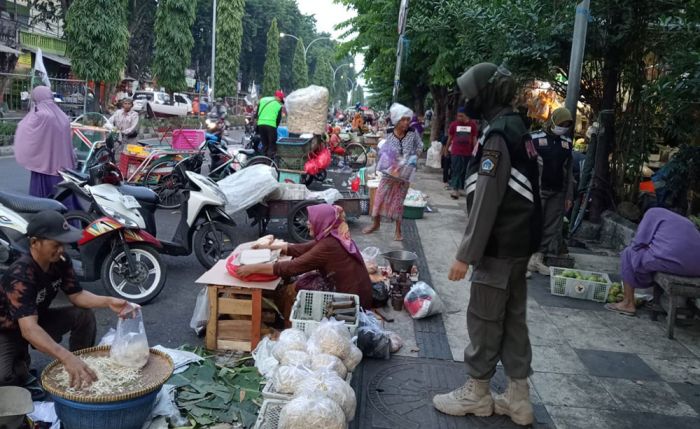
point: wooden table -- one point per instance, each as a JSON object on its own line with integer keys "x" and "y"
{"x": 235, "y": 309}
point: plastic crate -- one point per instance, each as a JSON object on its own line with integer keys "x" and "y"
{"x": 413, "y": 212}
{"x": 577, "y": 288}
{"x": 269, "y": 414}
{"x": 290, "y": 147}
{"x": 309, "y": 306}
{"x": 269, "y": 391}
{"x": 187, "y": 139}
{"x": 292, "y": 163}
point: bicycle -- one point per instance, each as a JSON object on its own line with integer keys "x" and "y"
{"x": 352, "y": 155}
{"x": 166, "y": 180}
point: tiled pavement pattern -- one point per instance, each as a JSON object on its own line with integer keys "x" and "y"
{"x": 591, "y": 368}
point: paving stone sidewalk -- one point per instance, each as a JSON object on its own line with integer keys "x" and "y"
{"x": 591, "y": 368}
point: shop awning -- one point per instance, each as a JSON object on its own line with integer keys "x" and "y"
{"x": 58, "y": 59}
{"x": 6, "y": 49}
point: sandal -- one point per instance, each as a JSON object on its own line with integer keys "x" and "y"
{"x": 611, "y": 307}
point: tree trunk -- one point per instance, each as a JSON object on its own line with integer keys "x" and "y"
{"x": 419, "y": 93}
{"x": 437, "y": 125}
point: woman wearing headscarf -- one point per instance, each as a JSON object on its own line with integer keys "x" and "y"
{"x": 332, "y": 252}
{"x": 392, "y": 191}
{"x": 43, "y": 143}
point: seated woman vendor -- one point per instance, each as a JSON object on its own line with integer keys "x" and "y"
{"x": 332, "y": 252}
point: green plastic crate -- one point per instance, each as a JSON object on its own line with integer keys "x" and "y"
{"x": 412, "y": 212}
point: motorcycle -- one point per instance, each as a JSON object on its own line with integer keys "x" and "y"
{"x": 204, "y": 227}
{"x": 112, "y": 249}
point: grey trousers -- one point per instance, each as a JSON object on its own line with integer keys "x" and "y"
{"x": 552, "y": 222}
{"x": 14, "y": 349}
{"x": 496, "y": 320}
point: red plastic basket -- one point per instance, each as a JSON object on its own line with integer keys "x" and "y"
{"x": 187, "y": 139}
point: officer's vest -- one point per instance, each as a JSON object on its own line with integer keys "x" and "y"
{"x": 555, "y": 152}
{"x": 268, "y": 111}
{"x": 517, "y": 229}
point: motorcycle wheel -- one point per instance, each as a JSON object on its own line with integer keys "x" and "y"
{"x": 162, "y": 179}
{"x": 145, "y": 285}
{"x": 213, "y": 241}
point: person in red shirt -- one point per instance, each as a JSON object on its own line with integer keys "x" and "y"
{"x": 461, "y": 142}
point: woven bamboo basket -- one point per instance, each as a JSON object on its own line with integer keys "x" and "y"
{"x": 157, "y": 371}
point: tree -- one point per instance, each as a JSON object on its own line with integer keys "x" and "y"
{"x": 201, "y": 30}
{"x": 300, "y": 70}
{"x": 358, "y": 95}
{"x": 174, "y": 41}
{"x": 271, "y": 76}
{"x": 97, "y": 42}
{"x": 229, "y": 27}
{"x": 142, "y": 15}
{"x": 323, "y": 75}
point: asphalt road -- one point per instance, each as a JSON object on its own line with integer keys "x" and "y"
{"x": 167, "y": 317}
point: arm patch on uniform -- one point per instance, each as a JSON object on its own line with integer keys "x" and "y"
{"x": 489, "y": 162}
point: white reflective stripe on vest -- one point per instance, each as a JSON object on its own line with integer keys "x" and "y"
{"x": 517, "y": 187}
{"x": 521, "y": 178}
{"x": 471, "y": 188}
{"x": 471, "y": 179}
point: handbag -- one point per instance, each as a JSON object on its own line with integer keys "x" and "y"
{"x": 232, "y": 269}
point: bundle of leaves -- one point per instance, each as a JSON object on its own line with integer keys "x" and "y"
{"x": 209, "y": 393}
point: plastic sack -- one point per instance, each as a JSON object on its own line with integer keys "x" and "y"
{"x": 312, "y": 411}
{"x": 307, "y": 110}
{"x": 422, "y": 301}
{"x": 372, "y": 339}
{"x": 434, "y": 155}
{"x": 398, "y": 111}
{"x": 354, "y": 358}
{"x": 130, "y": 346}
{"x": 248, "y": 187}
{"x": 108, "y": 338}
{"x": 265, "y": 362}
{"x": 331, "y": 337}
{"x": 323, "y": 361}
{"x": 328, "y": 383}
{"x": 388, "y": 159}
{"x": 395, "y": 340}
{"x": 330, "y": 196}
{"x": 295, "y": 357}
{"x": 369, "y": 255}
{"x": 290, "y": 341}
{"x": 200, "y": 315}
{"x": 311, "y": 167}
{"x": 288, "y": 377}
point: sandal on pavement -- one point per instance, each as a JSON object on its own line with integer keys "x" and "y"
{"x": 611, "y": 307}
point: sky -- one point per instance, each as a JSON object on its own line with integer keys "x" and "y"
{"x": 328, "y": 15}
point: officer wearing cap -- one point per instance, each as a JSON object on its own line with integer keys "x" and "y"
{"x": 554, "y": 147}
{"x": 26, "y": 316}
{"x": 502, "y": 232}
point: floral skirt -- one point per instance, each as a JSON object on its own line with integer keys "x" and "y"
{"x": 388, "y": 201}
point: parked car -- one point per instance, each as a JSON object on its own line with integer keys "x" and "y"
{"x": 160, "y": 97}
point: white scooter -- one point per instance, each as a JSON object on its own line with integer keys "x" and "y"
{"x": 204, "y": 226}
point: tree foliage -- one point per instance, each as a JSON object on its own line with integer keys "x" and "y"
{"x": 271, "y": 77}
{"x": 228, "y": 45}
{"x": 358, "y": 95}
{"x": 323, "y": 75}
{"x": 97, "y": 42}
{"x": 201, "y": 31}
{"x": 300, "y": 70}
{"x": 142, "y": 15}
{"x": 174, "y": 41}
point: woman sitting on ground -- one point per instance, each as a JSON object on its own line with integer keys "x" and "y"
{"x": 332, "y": 252}
{"x": 664, "y": 242}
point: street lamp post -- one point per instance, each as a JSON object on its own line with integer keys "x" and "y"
{"x": 213, "y": 50}
{"x": 306, "y": 48}
{"x": 338, "y": 68}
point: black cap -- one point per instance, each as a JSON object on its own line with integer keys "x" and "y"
{"x": 53, "y": 226}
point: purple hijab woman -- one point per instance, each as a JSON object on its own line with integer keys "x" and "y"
{"x": 43, "y": 143}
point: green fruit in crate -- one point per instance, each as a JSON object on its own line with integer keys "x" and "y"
{"x": 569, "y": 274}
{"x": 619, "y": 298}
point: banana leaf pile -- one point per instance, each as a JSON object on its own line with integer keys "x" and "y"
{"x": 209, "y": 393}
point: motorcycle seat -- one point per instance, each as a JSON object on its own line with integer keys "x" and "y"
{"x": 28, "y": 204}
{"x": 247, "y": 151}
{"x": 141, "y": 193}
{"x": 78, "y": 175}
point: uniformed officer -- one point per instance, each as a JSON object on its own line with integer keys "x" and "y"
{"x": 502, "y": 232}
{"x": 557, "y": 185}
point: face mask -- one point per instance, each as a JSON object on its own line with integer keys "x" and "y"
{"x": 560, "y": 131}
{"x": 471, "y": 111}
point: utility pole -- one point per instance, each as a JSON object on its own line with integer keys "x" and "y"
{"x": 213, "y": 51}
{"x": 403, "y": 13}
{"x": 578, "y": 47}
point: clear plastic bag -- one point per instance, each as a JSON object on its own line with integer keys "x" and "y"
{"x": 264, "y": 361}
{"x": 422, "y": 301}
{"x": 289, "y": 377}
{"x": 434, "y": 155}
{"x": 295, "y": 357}
{"x": 324, "y": 361}
{"x": 248, "y": 187}
{"x": 200, "y": 315}
{"x": 331, "y": 337}
{"x": 290, "y": 339}
{"x": 130, "y": 346}
{"x": 372, "y": 339}
{"x": 354, "y": 358}
{"x": 369, "y": 254}
{"x": 307, "y": 110}
{"x": 312, "y": 411}
{"x": 328, "y": 383}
